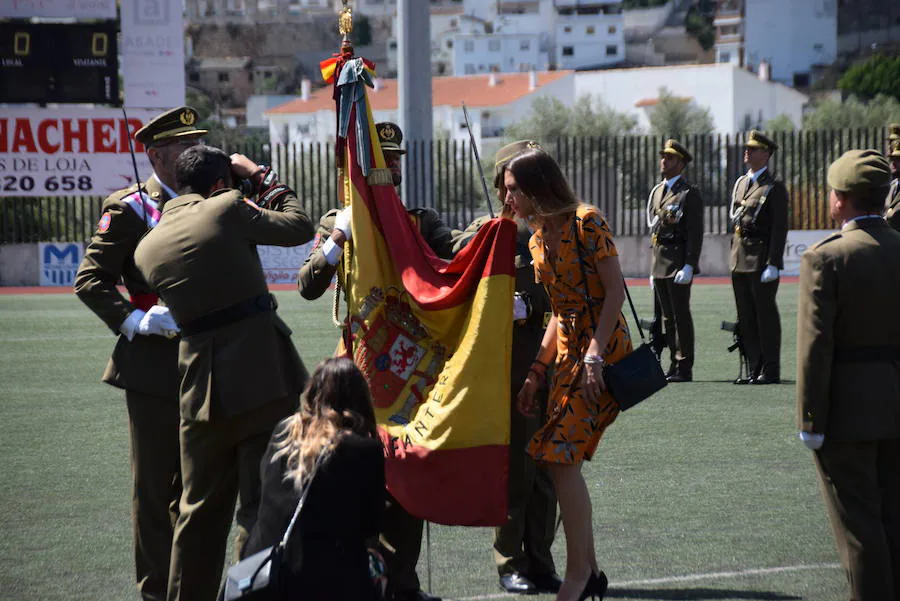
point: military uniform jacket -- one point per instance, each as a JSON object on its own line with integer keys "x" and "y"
{"x": 146, "y": 364}
{"x": 761, "y": 228}
{"x": 202, "y": 258}
{"x": 849, "y": 285}
{"x": 677, "y": 231}
{"x": 527, "y": 333}
{"x": 892, "y": 204}
{"x": 316, "y": 274}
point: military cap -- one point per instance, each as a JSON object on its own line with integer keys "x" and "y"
{"x": 177, "y": 123}
{"x": 674, "y": 148}
{"x": 894, "y": 131}
{"x": 756, "y": 139}
{"x": 390, "y": 135}
{"x": 509, "y": 152}
{"x": 895, "y": 149}
{"x": 859, "y": 171}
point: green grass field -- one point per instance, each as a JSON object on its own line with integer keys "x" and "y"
{"x": 703, "y": 492}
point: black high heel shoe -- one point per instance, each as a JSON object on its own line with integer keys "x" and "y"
{"x": 595, "y": 587}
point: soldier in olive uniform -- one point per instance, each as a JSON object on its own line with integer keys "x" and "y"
{"x": 401, "y": 539}
{"x": 759, "y": 213}
{"x": 848, "y": 374}
{"x": 522, "y": 545}
{"x": 675, "y": 219}
{"x": 240, "y": 371}
{"x": 144, "y": 361}
{"x": 892, "y": 202}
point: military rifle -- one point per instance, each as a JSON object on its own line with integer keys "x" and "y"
{"x": 737, "y": 345}
{"x": 655, "y": 329}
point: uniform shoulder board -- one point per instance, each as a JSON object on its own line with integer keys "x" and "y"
{"x": 824, "y": 241}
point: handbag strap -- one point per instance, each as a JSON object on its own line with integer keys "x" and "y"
{"x": 287, "y": 533}
{"x": 587, "y": 292}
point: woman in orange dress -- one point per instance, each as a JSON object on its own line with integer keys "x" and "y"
{"x": 576, "y": 260}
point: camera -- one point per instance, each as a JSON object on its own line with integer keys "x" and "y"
{"x": 730, "y": 326}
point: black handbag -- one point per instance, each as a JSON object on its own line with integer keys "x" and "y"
{"x": 638, "y": 375}
{"x": 260, "y": 577}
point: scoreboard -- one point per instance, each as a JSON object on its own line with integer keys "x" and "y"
{"x": 60, "y": 63}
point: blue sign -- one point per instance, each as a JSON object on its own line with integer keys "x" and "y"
{"x": 59, "y": 262}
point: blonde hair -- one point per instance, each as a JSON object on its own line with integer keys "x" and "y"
{"x": 336, "y": 403}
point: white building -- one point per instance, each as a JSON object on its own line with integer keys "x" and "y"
{"x": 589, "y": 33}
{"x": 493, "y": 101}
{"x": 499, "y": 53}
{"x": 792, "y": 37}
{"x": 737, "y": 99}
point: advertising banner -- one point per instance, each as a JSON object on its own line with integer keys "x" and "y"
{"x": 69, "y": 151}
{"x": 79, "y": 9}
{"x": 152, "y": 51}
{"x": 59, "y": 262}
{"x": 797, "y": 243}
{"x": 282, "y": 264}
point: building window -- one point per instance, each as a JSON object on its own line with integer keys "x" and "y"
{"x": 590, "y": 30}
{"x": 494, "y": 45}
{"x": 524, "y": 45}
{"x": 724, "y": 57}
{"x": 470, "y": 69}
{"x": 195, "y": 77}
{"x": 612, "y": 50}
{"x": 449, "y": 43}
{"x": 568, "y": 51}
{"x": 452, "y": 22}
{"x": 469, "y": 46}
{"x": 567, "y": 29}
{"x": 611, "y": 30}
{"x": 223, "y": 76}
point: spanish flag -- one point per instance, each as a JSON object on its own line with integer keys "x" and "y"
{"x": 433, "y": 338}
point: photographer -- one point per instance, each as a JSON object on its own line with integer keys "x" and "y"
{"x": 240, "y": 371}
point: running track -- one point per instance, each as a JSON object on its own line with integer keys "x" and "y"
{"x": 705, "y": 281}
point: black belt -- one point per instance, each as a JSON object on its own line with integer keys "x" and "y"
{"x": 264, "y": 303}
{"x": 867, "y": 354}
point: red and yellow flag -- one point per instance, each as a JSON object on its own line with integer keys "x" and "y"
{"x": 434, "y": 340}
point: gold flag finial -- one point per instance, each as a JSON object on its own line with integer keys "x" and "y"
{"x": 345, "y": 20}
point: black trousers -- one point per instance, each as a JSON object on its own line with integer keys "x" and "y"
{"x": 759, "y": 321}
{"x": 675, "y": 302}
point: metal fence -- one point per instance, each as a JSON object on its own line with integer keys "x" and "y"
{"x": 613, "y": 173}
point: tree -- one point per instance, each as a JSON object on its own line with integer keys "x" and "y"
{"x": 676, "y": 117}
{"x": 853, "y": 113}
{"x": 780, "y": 123}
{"x": 550, "y": 119}
{"x": 880, "y": 74}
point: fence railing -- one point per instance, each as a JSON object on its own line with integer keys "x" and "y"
{"x": 614, "y": 173}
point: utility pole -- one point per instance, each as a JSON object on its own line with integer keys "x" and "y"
{"x": 414, "y": 86}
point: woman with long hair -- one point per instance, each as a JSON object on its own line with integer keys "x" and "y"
{"x": 329, "y": 444}
{"x": 576, "y": 260}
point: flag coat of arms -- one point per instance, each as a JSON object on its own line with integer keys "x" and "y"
{"x": 433, "y": 338}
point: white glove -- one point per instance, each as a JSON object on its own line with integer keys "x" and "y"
{"x": 684, "y": 275}
{"x": 769, "y": 274}
{"x": 342, "y": 222}
{"x": 158, "y": 321}
{"x": 812, "y": 440}
{"x": 651, "y": 282}
{"x": 520, "y": 308}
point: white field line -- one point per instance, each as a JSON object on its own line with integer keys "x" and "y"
{"x": 687, "y": 578}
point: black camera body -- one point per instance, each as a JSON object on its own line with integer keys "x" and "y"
{"x": 731, "y": 326}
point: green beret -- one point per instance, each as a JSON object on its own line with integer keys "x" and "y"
{"x": 509, "y": 152}
{"x": 859, "y": 171}
{"x": 895, "y": 149}
{"x": 390, "y": 135}
{"x": 756, "y": 139}
{"x": 674, "y": 148}
{"x": 894, "y": 131}
{"x": 176, "y": 123}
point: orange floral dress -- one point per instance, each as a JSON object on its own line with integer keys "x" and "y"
{"x": 574, "y": 426}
